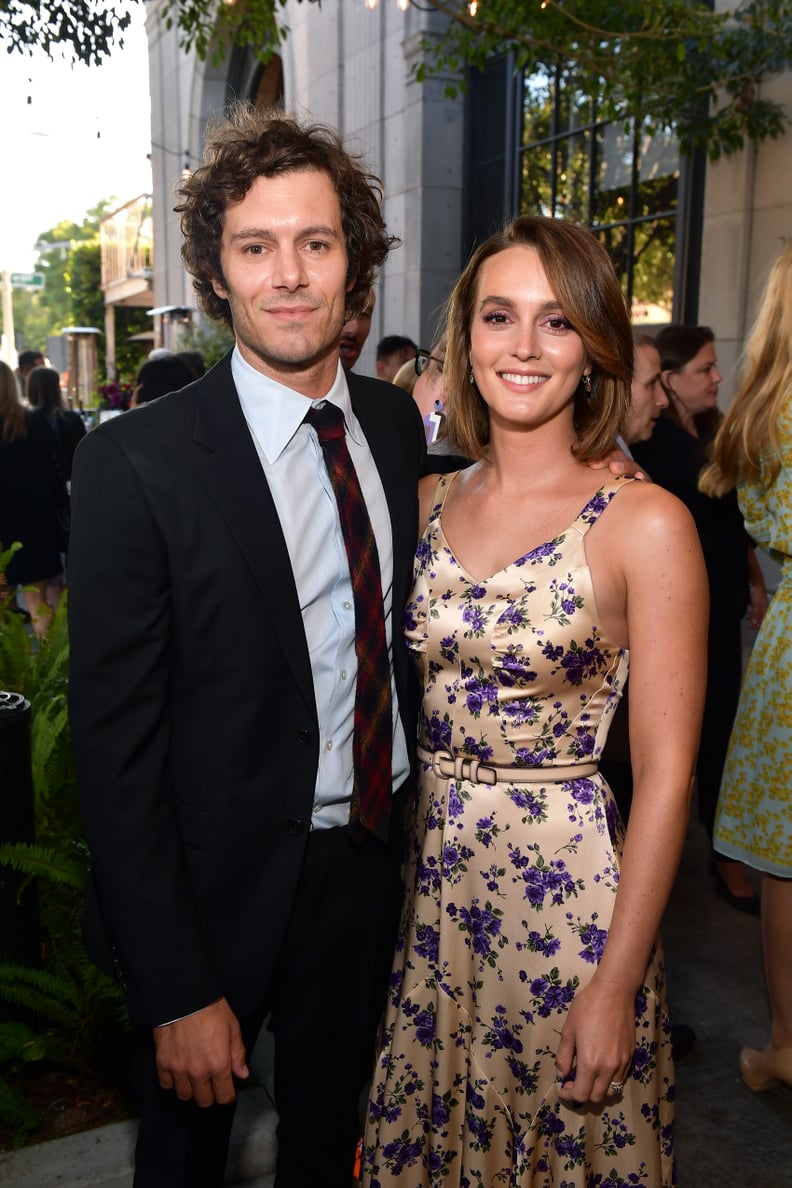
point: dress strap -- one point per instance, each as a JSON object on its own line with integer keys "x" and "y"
{"x": 444, "y": 482}
{"x": 598, "y": 503}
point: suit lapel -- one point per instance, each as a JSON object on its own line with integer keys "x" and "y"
{"x": 228, "y": 465}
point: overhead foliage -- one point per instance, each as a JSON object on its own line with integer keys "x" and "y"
{"x": 86, "y": 30}
{"x": 676, "y": 62}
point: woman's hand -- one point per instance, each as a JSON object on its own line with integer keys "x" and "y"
{"x": 597, "y": 1043}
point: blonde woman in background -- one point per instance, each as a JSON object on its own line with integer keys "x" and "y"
{"x": 753, "y": 452}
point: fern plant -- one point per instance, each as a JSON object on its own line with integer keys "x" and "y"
{"x": 67, "y": 1011}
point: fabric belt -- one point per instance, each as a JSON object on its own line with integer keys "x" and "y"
{"x": 446, "y": 766}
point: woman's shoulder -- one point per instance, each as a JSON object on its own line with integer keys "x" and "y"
{"x": 645, "y": 507}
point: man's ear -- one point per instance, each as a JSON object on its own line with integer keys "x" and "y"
{"x": 351, "y": 282}
{"x": 219, "y": 286}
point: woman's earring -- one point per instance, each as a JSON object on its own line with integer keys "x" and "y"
{"x": 587, "y": 384}
{"x": 471, "y": 377}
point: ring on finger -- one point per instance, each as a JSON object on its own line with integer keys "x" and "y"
{"x": 617, "y": 1086}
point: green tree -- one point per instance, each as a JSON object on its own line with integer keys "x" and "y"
{"x": 693, "y": 71}
{"x": 69, "y": 258}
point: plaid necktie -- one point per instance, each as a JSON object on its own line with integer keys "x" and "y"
{"x": 373, "y": 731}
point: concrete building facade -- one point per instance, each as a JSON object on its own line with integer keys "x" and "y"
{"x": 452, "y": 168}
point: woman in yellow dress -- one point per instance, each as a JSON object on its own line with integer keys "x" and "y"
{"x": 753, "y": 452}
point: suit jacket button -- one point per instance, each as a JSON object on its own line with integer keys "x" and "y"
{"x": 295, "y": 826}
{"x": 303, "y": 736}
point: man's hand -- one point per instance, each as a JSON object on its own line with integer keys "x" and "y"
{"x": 198, "y": 1056}
{"x": 617, "y": 462}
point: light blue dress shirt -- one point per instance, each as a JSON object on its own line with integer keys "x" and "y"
{"x": 293, "y": 464}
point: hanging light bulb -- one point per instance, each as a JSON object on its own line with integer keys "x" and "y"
{"x": 404, "y": 5}
{"x": 371, "y": 3}
{"x": 473, "y": 7}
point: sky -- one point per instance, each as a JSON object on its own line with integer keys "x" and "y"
{"x": 55, "y": 165}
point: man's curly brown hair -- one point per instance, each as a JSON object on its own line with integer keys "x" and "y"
{"x": 246, "y": 144}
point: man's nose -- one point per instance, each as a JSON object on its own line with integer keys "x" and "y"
{"x": 288, "y": 271}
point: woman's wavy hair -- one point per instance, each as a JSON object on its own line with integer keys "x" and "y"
{"x": 583, "y": 279}
{"x": 748, "y": 445}
{"x": 246, "y": 144}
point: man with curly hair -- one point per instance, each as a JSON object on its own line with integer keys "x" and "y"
{"x": 216, "y": 631}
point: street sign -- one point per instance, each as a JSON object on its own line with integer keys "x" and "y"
{"x": 27, "y": 280}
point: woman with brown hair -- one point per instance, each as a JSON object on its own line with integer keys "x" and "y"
{"x": 33, "y": 499}
{"x": 526, "y": 1038}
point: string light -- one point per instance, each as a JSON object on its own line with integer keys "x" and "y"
{"x": 473, "y": 7}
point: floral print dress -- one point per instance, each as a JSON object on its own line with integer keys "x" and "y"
{"x": 754, "y": 818}
{"x": 511, "y": 889}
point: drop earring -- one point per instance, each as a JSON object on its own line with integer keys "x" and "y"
{"x": 587, "y": 384}
{"x": 471, "y": 377}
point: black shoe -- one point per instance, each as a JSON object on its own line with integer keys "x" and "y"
{"x": 683, "y": 1042}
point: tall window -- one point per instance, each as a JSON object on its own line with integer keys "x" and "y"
{"x": 621, "y": 182}
{"x": 536, "y": 146}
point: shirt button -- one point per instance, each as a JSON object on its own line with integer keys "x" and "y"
{"x": 329, "y": 744}
{"x": 347, "y": 605}
{"x": 344, "y": 674}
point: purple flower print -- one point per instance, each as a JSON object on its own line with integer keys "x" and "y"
{"x": 513, "y": 669}
{"x": 475, "y": 617}
{"x": 427, "y": 943}
{"x": 401, "y": 1153}
{"x": 483, "y": 925}
{"x": 438, "y": 732}
{"x": 593, "y": 940}
{"x": 424, "y": 1023}
{"x": 477, "y": 750}
{"x": 441, "y": 1114}
{"x": 596, "y": 506}
{"x": 582, "y": 790}
{"x": 423, "y": 554}
{"x": 581, "y": 662}
{"x": 548, "y": 944}
{"x": 544, "y": 551}
{"x": 456, "y": 805}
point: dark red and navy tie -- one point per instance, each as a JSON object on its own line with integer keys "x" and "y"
{"x": 373, "y": 732}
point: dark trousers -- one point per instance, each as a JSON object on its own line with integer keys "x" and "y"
{"x": 724, "y": 676}
{"x": 324, "y": 1005}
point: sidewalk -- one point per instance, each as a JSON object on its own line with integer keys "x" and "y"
{"x": 727, "y": 1137}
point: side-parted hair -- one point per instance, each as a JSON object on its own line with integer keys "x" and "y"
{"x": 246, "y": 144}
{"x": 747, "y": 444}
{"x": 678, "y": 345}
{"x": 583, "y": 279}
{"x": 43, "y": 391}
{"x": 13, "y": 415}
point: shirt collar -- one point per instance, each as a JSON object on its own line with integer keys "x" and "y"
{"x": 275, "y": 412}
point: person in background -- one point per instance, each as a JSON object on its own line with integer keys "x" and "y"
{"x": 195, "y": 362}
{"x": 33, "y": 503}
{"x": 241, "y": 707}
{"x": 392, "y": 352}
{"x": 26, "y": 361}
{"x": 355, "y": 332}
{"x": 753, "y": 824}
{"x": 159, "y": 376}
{"x": 44, "y": 393}
{"x": 647, "y": 401}
{"x": 526, "y": 1037}
{"x": 674, "y": 457}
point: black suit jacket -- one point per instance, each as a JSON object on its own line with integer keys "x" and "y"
{"x": 192, "y": 706}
